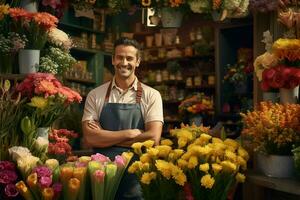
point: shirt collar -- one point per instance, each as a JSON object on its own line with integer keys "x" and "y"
{"x": 134, "y": 85}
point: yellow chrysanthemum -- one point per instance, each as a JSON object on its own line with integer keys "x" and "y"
{"x": 242, "y": 152}
{"x": 207, "y": 181}
{"x": 216, "y": 168}
{"x": 187, "y": 155}
{"x": 147, "y": 177}
{"x": 135, "y": 166}
{"x": 137, "y": 148}
{"x": 4, "y": 10}
{"x": 204, "y": 167}
{"x": 177, "y": 153}
{"x": 230, "y": 155}
{"x": 145, "y": 158}
{"x": 148, "y": 143}
{"x": 286, "y": 48}
{"x": 152, "y": 152}
{"x": 182, "y": 142}
{"x": 178, "y": 175}
{"x": 145, "y": 167}
{"x": 205, "y": 138}
{"x": 231, "y": 143}
{"x": 38, "y": 102}
{"x": 163, "y": 150}
{"x": 193, "y": 162}
{"x": 216, "y": 140}
{"x": 242, "y": 162}
{"x": 182, "y": 163}
{"x": 228, "y": 166}
{"x": 164, "y": 167}
{"x": 167, "y": 142}
{"x": 240, "y": 178}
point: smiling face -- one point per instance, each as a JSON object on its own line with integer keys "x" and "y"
{"x": 125, "y": 61}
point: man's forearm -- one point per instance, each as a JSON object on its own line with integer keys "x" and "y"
{"x": 147, "y": 135}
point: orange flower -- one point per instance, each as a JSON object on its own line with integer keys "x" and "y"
{"x": 46, "y": 20}
{"x": 18, "y": 13}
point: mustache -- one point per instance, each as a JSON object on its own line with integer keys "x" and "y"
{"x": 121, "y": 65}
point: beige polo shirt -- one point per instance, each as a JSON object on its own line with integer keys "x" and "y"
{"x": 151, "y": 101}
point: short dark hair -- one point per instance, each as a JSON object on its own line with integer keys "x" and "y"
{"x": 128, "y": 42}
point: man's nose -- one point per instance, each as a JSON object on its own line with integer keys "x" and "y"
{"x": 124, "y": 61}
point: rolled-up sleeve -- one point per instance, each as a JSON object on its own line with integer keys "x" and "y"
{"x": 154, "y": 110}
{"x": 90, "y": 108}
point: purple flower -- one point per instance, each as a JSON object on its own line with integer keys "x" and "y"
{"x": 8, "y": 176}
{"x": 119, "y": 160}
{"x": 57, "y": 188}
{"x": 45, "y": 181}
{"x": 11, "y": 190}
{"x": 42, "y": 171}
{"x": 99, "y": 157}
{"x": 7, "y": 165}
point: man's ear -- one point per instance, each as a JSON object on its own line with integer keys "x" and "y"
{"x": 138, "y": 61}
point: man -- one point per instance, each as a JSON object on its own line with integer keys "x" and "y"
{"x": 122, "y": 112}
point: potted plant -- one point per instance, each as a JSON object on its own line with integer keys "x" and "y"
{"x": 273, "y": 129}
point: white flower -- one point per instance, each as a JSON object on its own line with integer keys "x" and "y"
{"x": 27, "y": 163}
{"x": 17, "y": 152}
{"x": 231, "y": 4}
{"x": 60, "y": 38}
{"x": 268, "y": 40}
{"x": 199, "y": 6}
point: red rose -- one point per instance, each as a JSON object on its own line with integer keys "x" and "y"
{"x": 264, "y": 85}
{"x": 268, "y": 74}
{"x": 292, "y": 82}
{"x": 277, "y": 81}
{"x": 285, "y": 72}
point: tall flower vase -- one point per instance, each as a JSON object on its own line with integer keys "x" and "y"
{"x": 289, "y": 95}
{"x": 29, "y": 59}
{"x": 171, "y": 18}
{"x": 196, "y": 119}
{"x": 29, "y": 5}
{"x": 43, "y": 132}
{"x": 275, "y": 165}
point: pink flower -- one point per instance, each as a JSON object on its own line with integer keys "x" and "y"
{"x": 120, "y": 161}
{"x": 45, "y": 181}
{"x": 7, "y": 165}
{"x": 42, "y": 171}
{"x": 57, "y": 188}
{"x": 99, "y": 176}
{"x": 99, "y": 157}
{"x": 11, "y": 190}
{"x": 51, "y": 3}
{"x": 8, "y": 176}
{"x": 80, "y": 164}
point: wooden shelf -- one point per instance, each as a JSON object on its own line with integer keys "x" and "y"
{"x": 77, "y": 27}
{"x": 14, "y": 77}
{"x": 79, "y": 49}
{"x": 78, "y": 80}
{"x": 289, "y": 185}
{"x": 185, "y": 58}
{"x": 201, "y": 87}
{"x": 171, "y": 82}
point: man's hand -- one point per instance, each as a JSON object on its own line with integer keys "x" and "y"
{"x": 132, "y": 133}
{"x": 94, "y": 125}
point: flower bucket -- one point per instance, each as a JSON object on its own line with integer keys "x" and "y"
{"x": 197, "y": 120}
{"x": 289, "y": 95}
{"x": 171, "y": 18}
{"x": 29, "y": 5}
{"x": 43, "y": 132}
{"x": 29, "y": 59}
{"x": 275, "y": 165}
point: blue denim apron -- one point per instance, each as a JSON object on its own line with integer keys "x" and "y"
{"x": 114, "y": 117}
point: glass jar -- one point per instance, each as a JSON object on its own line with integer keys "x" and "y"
{"x": 197, "y": 80}
{"x": 165, "y": 75}
{"x": 211, "y": 80}
{"x": 189, "y": 82}
{"x": 158, "y": 76}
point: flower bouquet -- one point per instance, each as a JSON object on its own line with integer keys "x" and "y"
{"x": 195, "y": 105}
{"x": 193, "y": 165}
{"x": 47, "y": 98}
{"x": 273, "y": 128}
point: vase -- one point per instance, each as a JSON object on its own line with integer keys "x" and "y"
{"x": 289, "y": 95}
{"x": 270, "y": 96}
{"x": 275, "y": 165}
{"x": 29, "y": 60}
{"x": 6, "y": 64}
{"x": 171, "y": 18}
{"x": 196, "y": 119}
{"x": 29, "y": 5}
{"x": 43, "y": 132}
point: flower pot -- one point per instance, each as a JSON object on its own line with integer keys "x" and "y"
{"x": 43, "y": 132}
{"x": 197, "y": 120}
{"x": 275, "y": 165}
{"x": 289, "y": 95}
{"x": 271, "y": 96}
{"x": 29, "y": 5}
{"x": 29, "y": 59}
{"x": 171, "y": 18}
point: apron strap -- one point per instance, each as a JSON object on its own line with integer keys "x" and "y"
{"x": 139, "y": 92}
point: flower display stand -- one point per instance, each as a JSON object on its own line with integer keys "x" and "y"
{"x": 29, "y": 5}
{"x": 276, "y": 166}
{"x": 289, "y": 95}
{"x": 28, "y": 60}
{"x": 171, "y": 18}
